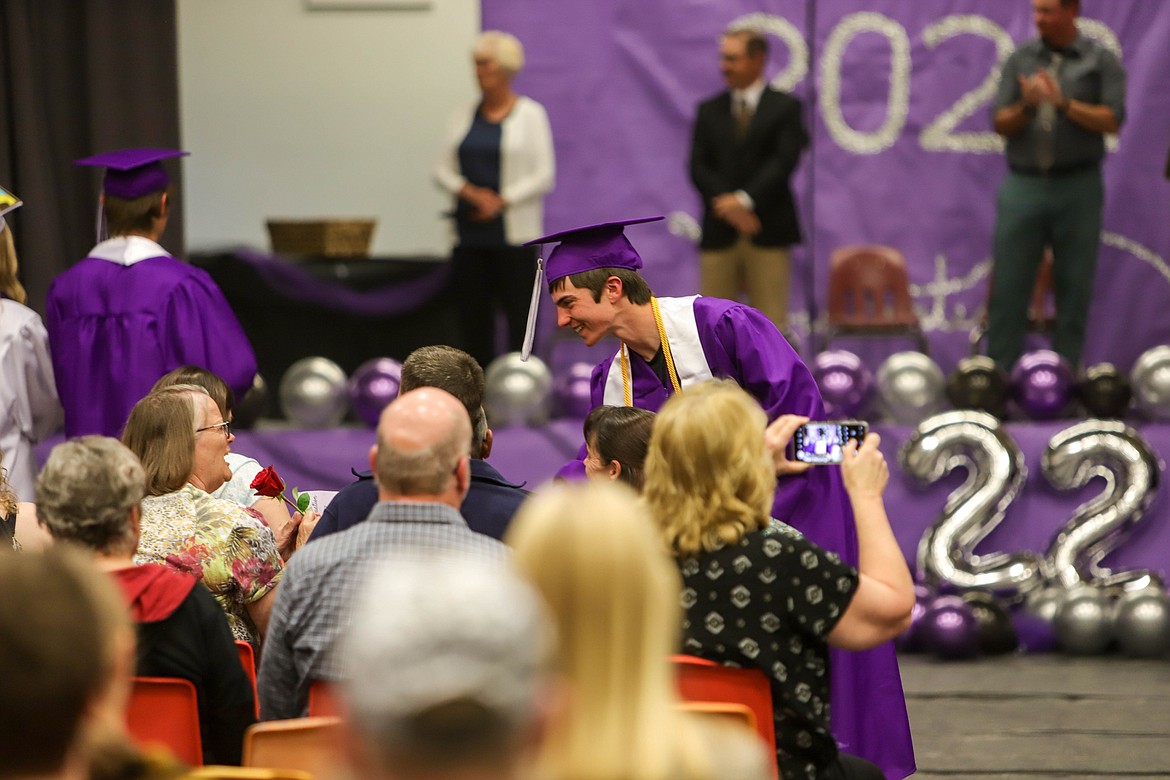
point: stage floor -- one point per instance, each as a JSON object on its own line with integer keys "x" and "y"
{"x": 1039, "y": 716}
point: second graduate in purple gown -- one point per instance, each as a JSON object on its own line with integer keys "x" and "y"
{"x": 130, "y": 312}
{"x": 667, "y": 344}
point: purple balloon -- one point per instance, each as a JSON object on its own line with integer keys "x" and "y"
{"x": 949, "y": 628}
{"x": 1043, "y": 384}
{"x": 846, "y": 384}
{"x": 572, "y": 389}
{"x": 372, "y": 386}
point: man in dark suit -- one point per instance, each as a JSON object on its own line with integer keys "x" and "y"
{"x": 746, "y": 144}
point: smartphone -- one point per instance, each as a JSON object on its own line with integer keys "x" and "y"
{"x": 822, "y": 442}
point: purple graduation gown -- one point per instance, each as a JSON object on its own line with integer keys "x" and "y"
{"x": 115, "y": 328}
{"x": 869, "y": 716}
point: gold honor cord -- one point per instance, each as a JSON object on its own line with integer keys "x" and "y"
{"x": 627, "y": 389}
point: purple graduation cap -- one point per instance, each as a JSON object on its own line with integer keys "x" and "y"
{"x": 603, "y": 245}
{"x": 130, "y": 174}
{"x": 133, "y": 173}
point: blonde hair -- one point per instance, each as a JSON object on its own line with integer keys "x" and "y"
{"x": 709, "y": 478}
{"x": 9, "y": 284}
{"x": 592, "y": 552}
{"x": 161, "y": 432}
{"x": 502, "y": 47}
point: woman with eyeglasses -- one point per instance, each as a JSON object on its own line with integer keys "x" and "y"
{"x": 181, "y": 438}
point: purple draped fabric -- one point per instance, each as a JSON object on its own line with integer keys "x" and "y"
{"x": 115, "y": 329}
{"x": 897, "y": 95}
{"x": 297, "y": 284}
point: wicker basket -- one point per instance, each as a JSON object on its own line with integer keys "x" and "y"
{"x": 321, "y": 237}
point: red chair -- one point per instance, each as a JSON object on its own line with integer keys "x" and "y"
{"x": 700, "y": 680}
{"x": 869, "y": 295}
{"x": 248, "y": 661}
{"x": 165, "y": 710}
{"x": 323, "y": 699}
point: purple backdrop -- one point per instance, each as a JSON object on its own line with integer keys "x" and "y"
{"x": 898, "y": 95}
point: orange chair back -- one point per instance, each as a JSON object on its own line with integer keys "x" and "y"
{"x": 248, "y": 661}
{"x": 725, "y": 711}
{"x": 323, "y": 699}
{"x": 700, "y": 680}
{"x": 165, "y": 711}
{"x": 306, "y": 744}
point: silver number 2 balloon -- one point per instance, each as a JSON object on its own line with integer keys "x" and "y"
{"x": 1117, "y": 453}
{"x": 995, "y": 471}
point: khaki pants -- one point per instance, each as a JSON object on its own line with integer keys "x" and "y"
{"x": 761, "y": 271}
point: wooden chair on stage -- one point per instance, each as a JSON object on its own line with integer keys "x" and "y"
{"x": 165, "y": 711}
{"x": 869, "y": 295}
{"x": 703, "y": 681}
{"x": 1041, "y": 309}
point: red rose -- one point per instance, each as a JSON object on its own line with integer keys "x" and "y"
{"x": 267, "y": 483}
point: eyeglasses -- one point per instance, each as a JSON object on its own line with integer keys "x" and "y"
{"x": 225, "y": 426}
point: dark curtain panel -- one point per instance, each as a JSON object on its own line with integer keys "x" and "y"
{"x": 79, "y": 77}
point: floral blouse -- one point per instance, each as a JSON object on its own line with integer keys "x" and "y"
{"x": 229, "y": 548}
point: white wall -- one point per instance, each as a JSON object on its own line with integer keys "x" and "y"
{"x": 295, "y": 113}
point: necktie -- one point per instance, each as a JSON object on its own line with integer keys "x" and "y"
{"x": 1046, "y": 122}
{"x": 743, "y": 116}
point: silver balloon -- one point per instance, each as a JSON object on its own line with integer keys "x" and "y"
{"x": 1141, "y": 623}
{"x": 519, "y": 392}
{"x": 1044, "y": 603}
{"x": 313, "y": 393}
{"x": 1083, "y": 621}
{"x": 1118, "y": 454}
{"x": 911, "y": 387}
{"x": 995, "y": 471}
{"x": 1150, "y": 378}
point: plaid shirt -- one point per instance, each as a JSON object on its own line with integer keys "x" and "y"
{"x": 321, "y": 582}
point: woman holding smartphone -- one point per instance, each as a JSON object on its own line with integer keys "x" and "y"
{"x": 756, "y": 592}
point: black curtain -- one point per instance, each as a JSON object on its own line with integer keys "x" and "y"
{"x": 79, "y": 77}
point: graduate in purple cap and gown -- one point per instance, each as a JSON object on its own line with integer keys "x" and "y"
{"x": 667, "y": 344}
{"x": 130, "y": 312}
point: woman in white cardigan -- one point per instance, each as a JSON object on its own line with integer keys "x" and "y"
{"x": 498, "y": 164}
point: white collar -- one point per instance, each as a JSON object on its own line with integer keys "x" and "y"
{"x": 127, "y": 250}
{"x": 751, "y": 94}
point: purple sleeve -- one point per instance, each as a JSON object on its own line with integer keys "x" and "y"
{"x": 202, "y": 330}
{"x": 742, "y": 344}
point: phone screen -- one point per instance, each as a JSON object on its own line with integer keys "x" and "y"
{"x": 822, "y": 442}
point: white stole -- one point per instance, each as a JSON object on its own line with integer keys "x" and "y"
{"x": 682, "y": 331}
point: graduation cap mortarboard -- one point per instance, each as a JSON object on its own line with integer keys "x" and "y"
{"x": 133, "y": 173}
{"x": 8, "y": 202}
{"x": 603, "y": 245}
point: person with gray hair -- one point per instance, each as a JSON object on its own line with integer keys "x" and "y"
{"x": 491, "y": 499}
{"x": 421, "y": 462}
{"x": 497, "y": 164}
{"x": 447, "y": 671}
{"x": 89, "y": 494}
